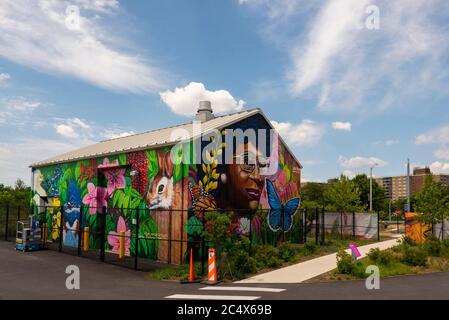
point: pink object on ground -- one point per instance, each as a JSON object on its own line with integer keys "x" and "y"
{"x": 354, "y": 249}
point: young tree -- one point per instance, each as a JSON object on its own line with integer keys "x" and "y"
{"x": 433, "y": 201}
{"x": 380, "y": 202}
{"x": 343, "y": 195}
{"x": 312, "y": 195}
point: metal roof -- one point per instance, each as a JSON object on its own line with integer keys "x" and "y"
{"x": 149, "y": 139}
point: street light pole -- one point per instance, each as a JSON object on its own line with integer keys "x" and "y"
{"x": 371, "y": 190}
{"x": 371, "y": 187}
{"x": 408, "y": 186}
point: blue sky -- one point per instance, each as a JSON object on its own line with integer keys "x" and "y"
{"x": 341, "y": 91}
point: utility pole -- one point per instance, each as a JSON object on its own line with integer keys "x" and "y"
{"x": 408, "y": 186}
{"x": 371, "y": 187}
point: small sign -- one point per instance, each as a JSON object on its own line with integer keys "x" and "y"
{"x": 134, "y": 221}
{"x": 355, "y": 251}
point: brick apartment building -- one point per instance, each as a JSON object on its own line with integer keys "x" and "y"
{"x": 396, "y": 187}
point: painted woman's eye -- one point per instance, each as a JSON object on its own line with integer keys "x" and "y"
{"x": 160, "y": 188}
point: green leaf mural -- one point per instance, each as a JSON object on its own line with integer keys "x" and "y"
{"x": 153, "y": 166}
{"x": 63, "y": 184}
{"x": 78, "y": 171}
{"x": 122, "y": 159}
{"x": 150, "y": 244}
{"x": 125, "y": 199}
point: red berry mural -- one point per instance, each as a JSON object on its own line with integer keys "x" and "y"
{"x": 138, "y": 162}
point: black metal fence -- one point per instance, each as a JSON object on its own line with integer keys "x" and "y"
{"x": 153, "y": 238}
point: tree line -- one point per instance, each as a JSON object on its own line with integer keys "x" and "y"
{"x": 345, "y": 194}
{"x": 342, "y": 194}
{"x": 19, "y": 194}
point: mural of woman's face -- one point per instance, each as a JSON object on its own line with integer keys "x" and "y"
{"x": 244, "y": 184}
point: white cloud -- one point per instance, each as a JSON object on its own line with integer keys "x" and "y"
{"x": 184, "y": 101}
{"x": 311, "y": 162}
{"x": 303, "y": 134}
{"x": 4, "y": 77}
{"x": 16, "y": 108}
{"x": 113, "y": 134}
{"x": 21, "y": 104}
{"x": 75, "y": 128}
{"x": 69, "y": 128}
{"x": 79, "y": 123}
{"x": 4, "y": 116}
{"x": 361, "y": 162}
{"x": 439, "y": 167}
{"x": 391, "y": 142}
{"x": 442, "y": 153}
{"x": 275, "y": 9}
{"x": 97, "y": 5}
{"x": 348, "y": 173}
{"x": 348, "y": 67}
{"x": 344, "y": 126}
{"x": 330, "y": 32}
{"x": 36, "y": 35}
{"x": 15, "y": 157}
{"x": 66, "y": 131}
{"x": 438, "y": 136}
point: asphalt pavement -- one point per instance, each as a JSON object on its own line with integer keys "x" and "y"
{"x": 41, "y": 275}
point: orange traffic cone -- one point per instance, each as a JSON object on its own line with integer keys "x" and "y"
{"x": 191, "y": 273}
{"x": 212, "y": 275}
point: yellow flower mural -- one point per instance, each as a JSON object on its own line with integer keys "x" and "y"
{"x": 211, "y": 175}
{"x": 55, "y": 225}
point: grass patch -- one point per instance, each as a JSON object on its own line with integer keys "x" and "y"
{"x": 172, "y": 272}
{"x": 263, "y": 258}
{"x": 404, "y": 259}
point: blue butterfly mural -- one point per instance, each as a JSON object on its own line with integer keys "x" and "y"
{"x": 280, "y": 216}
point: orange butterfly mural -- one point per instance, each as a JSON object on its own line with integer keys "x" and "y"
{"x": 201, "y": 200}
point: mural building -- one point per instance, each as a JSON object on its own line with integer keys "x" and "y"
{"x": 258, "y": 185}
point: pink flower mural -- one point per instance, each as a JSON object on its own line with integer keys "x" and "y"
{"x": 114, "y": 237}
{"x": 96, "y": 198}
{"x": 116, "y": 179}
{"x": 107, "y": 164}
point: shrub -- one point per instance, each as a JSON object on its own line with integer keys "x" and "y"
{"x": 445, "y": 249}
{"x": 408, "y": 241}
{"x": 309, "y": 248}
{"x": 413, "y": 256}
{"x": 359, "y": 270}
{"x": 433, "y": 246}
{"x": 267, "y": 256}
{"x": 374, "y": 254}
{"x": 242, "y": 263}
{"x": 345, "y": 262}
{"x": 286, "y": 252}
{"x": 380, "y": 257}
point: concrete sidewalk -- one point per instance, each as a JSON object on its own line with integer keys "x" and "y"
{"x": 309, "y": 269}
